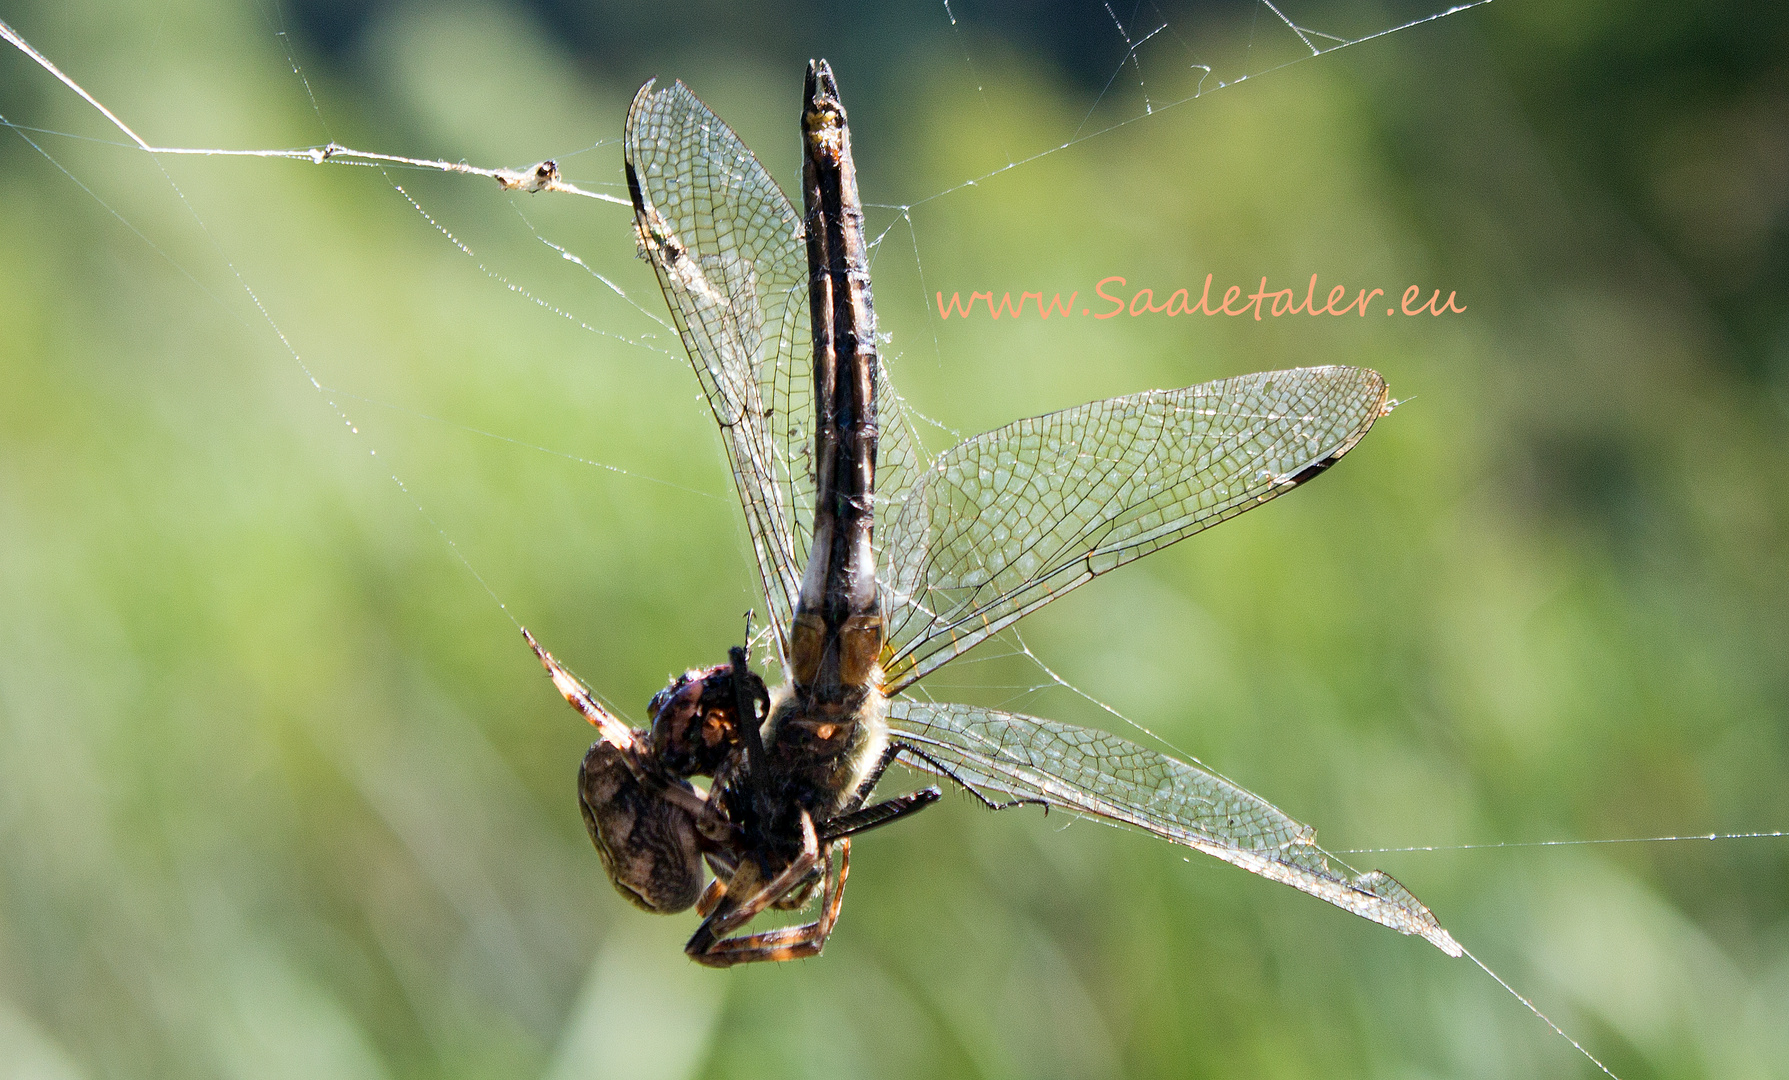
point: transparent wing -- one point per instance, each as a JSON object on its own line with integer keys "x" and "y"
{"x": 1005, "y": 522}
{"x": 1096, "y": 773}
{"x": 726, "y": 245}
{"x": 728, "y": 249}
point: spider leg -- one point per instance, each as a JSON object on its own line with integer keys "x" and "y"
{"x": 711, "y": 896}
{"x": 789, "y": 943}
{"x": 614, "y": 732}
{"x": 748, "y": 894}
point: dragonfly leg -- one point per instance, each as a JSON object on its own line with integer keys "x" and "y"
{"x": 870, "y": 780}
{"x": 896, "y": 749}
{"x": 788, "y": 943}
{"x": 880, "y": 814}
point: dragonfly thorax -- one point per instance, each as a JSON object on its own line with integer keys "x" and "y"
{"x": 818, "y": 752}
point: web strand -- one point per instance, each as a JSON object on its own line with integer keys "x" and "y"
{"x": 533, "y": 178}
{"x": 1198, "y": 92}
{"x": 1576, "y": 1045}
{"x": 1774, "y": 835}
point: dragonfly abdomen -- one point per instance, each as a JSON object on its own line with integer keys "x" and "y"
{"x": 837, "y": 636}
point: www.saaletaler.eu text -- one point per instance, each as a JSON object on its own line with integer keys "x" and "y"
{"x": 1114, "y": 299}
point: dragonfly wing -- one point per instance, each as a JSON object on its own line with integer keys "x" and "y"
{"x": 1093, "y": 772}
{"x": 1007, "y": 521}
{"x": 728, "y": 249}
{"x": 726, "y": 244}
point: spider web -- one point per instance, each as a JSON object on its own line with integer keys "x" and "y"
{"x": 1136, "y": 91}
{"x": 1152, "y": 52}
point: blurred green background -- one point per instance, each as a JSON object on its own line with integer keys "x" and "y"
{"x": 282, "y": 793}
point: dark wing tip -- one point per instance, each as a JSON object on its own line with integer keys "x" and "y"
{"x": 1382, "y": 404}
{"x": 1311, "y": 471}
{"x": 633, "y": 188}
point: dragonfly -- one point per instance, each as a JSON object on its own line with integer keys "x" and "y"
{"x": 880, "y": 564}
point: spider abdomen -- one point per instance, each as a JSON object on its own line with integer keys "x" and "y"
{"x": 648, "y": 843}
